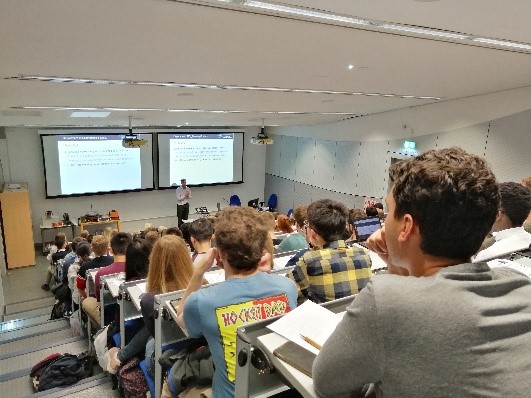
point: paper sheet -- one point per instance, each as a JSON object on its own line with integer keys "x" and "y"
{"x": 310, "y": 320}
{"x": 135, "y": 292}
{"x": 215, "y": 276}
{"x": 497, "y": 263}
{"x": 281, "y": 261}
{"x": 114, "y": 283}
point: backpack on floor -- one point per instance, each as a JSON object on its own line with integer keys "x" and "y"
{"x": 61, "y": 370}
{"x": 37, "y": 369}
{"x": 57, "y": 310}
{"x": 131, "y": 380}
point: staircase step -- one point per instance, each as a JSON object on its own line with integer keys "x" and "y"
{"x": 17, "y": 387}
{"x": 13, "y": 347}
{"x": 45, "y": 302}
{"x": 23, "y": 323}
{"x": 99, "y": 385}
{"x": 23, "y": 361}
{"x": 29, "y": 314}
{"x": 34, "y": 330}
{"x": 21, "y": 386}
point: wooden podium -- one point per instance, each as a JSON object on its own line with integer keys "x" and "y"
{"x": 17, "y": 228}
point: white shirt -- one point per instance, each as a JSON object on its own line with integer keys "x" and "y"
{"x": 182, "y": 193}
{"x": 506, "y": 241}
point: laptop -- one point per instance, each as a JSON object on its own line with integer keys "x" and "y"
{"x": 201, "y": 210}
{"x": 364, "y": 228}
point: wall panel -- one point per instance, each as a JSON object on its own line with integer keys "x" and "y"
{"x": 509, "y": 147}
{"x": 288, "y": 155}
{"x": 372, "y": 169}
{"x": 305, "y": 160}
{"x": 324, "y": 164}
{"x": 471, "y": 139}
{"x": 346, "y": 167}
{"x": 304, "y": 194}
{"x": 272, "y": 165}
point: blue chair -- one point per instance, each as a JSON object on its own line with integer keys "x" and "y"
{"x": 289, "y": 213}
{"x": 149, "y": 380}
{"x": 132, "y": 327}
{"x": 179, "y": 345}
{"x": 234, "y": 200}
{"x": 272, "y": 202}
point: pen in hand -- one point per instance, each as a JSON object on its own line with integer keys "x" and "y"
{"x": 312, "y": 342}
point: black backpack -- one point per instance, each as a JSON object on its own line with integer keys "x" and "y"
{"x": 61, "y": 370}
{"x": 57, "y": 310}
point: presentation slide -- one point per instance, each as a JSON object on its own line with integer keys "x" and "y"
{"x": 82, "y": 164}
{"x": 201, "y": 158}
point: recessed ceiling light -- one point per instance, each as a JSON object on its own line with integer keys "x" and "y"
{"x": 350, "y": 67}
{"x": 99, "y": 114}
{"x": 71, "y": 80}
{"x": 503, "y": 43}
{"x": 310, "y": 14}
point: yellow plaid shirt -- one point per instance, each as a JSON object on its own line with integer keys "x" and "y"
{"x": 333, "y": 272}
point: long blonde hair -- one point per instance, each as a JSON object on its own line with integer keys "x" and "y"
{"x": 170, "y": 265}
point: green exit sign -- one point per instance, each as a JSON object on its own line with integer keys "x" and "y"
{"x": 410, "y": 145}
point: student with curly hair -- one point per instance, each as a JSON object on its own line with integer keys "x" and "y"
{"x": 437, "y": 325}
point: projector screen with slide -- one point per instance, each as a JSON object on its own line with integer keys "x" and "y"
{"x": 200, "y": 158}
{"x": 85, "y": 164}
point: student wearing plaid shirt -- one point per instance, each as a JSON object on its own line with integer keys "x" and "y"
{"x": 332, "y": 270}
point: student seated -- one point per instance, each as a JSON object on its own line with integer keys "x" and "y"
{"x": 296, "y": 240}
{"x": 170, "y": 269}
{"x": 509, "y": 234}
{"x": 283, "y": 225}
{"x": 99, "y": 247}
{"x": 83, "y": 252}
{"x": 201, "y": 231}
{"x": 332, "y": 270}
{"x": 437, "y": 325}
{"x": 240, "y": 248}
{"x": 57, "y": 252}
{"x": 91, "y": 305}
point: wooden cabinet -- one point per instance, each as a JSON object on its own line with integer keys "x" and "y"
{"x": 17, "y": 228}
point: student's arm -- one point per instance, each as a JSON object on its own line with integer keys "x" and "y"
{"x": 352, "y": 356}
{"x": 195, "y": 283}
{"x": 81, "y": 284}
{"x": 299, "y": 274}
{"x": 147, "y": 306}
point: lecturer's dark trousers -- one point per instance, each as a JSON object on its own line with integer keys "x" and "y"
{"x": 182, "y": 213}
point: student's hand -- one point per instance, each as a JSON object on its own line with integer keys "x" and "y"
{"x": 207, "y": 262}
{"x": 376, "y": 243}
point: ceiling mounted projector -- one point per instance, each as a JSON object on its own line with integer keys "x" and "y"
{"x": 262, "y": 138}
{"x": 131, "y": 140}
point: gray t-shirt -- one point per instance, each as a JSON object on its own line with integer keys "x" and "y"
{"x": 463, "y": 332}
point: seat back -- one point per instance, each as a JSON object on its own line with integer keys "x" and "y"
{"x": 234, "y": 200}
{"x": 272, "y": 202}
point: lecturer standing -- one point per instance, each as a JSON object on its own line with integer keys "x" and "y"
{"x": 183, "y": 193}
